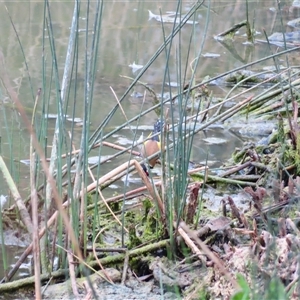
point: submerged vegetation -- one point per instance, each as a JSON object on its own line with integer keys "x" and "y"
{"x": 194, "y": 231}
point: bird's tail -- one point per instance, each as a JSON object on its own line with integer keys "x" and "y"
{"x": 145, "y": 169}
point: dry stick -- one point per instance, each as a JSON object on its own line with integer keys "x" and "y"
{"x": 121, "y": 107}
{"x": 107, "y": 249}
{"x": 268, "y": 109}
{"x": 125, "y": 267}
{"x": 221, "y": 117}
{"x": 128, "y": 149}
{"x": 96, "y": 257}
{"x": 117, "y": 147}
{"x": 89, "y": 291}
{"x": 111, "y": 145}
{"x": 262, "y": 166}
{"x": 54, "y": 237}
{"x": 13, "y": 95}
{"x": 105, "y": 202}
{"x": 34, "y": 203}
{"x": 140, "y": 189}
{"x": 25, "y": 217}
{"x": 29, "y": 249}
{"x": 99, "y": 191}
{"x": 89, "y": 188}
{"x": 54, "y": 216}
{"x": 106, "y": 260}
{"x": 144, "y": 84}
{"x": 235, "y": 109}
{"x": 191, "y": 244}
{"x": 255, "y": 75}
{"x": 129, "y": 194}
{"x": 81, "y": 241}
{"x": 212, "y": 178}
{"x": 86, "y": 264}
{"x": 152, "y": 189}
{"x": 118, "y": 176}
{"x": 114, "y": 146}
{"x": 46, "y": 285}
{"x": 206, "y": 250}
{"x": 219, "y": 76}
{"x": 271, "y": 94}
{"x": 246, "y": 178}
{"x": 224, "y": 116}
{"x": 193, "y": 294}
{"x": 72, "y": 275}
{"x": 236, "y": 169}
{"x": 72, "y": 152}
{"x": 233, "y": 29}
{"x": 124, "y": 114}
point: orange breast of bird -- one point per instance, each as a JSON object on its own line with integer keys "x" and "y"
{"x": 150, "y": 147}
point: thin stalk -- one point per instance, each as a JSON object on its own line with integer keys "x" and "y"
{"x": 90, "y": 62}
{"x": 190, "y": 13}
{"x": 194, "y": 87}
{"x": 34, "y": 205}
{"x": 3, "y": 248}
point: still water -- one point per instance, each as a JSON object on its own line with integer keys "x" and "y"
{"x": 127, "y": 37}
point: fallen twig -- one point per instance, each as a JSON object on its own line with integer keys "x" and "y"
{"x": 233, "y": 29}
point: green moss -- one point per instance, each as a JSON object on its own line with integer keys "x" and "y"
{"x": 229, "y": 36}
{"x": 153, "y": 226}
{"x": 115, "y": 206}
{"x": 147, "y": 205}
{"x": 203, "y": 294}
{"x": 89, "y": 198}
{"x": 239, "y": 155}
{"x": 134, "y": 241}
{"x": 143, "y": 227}
{"x": 292, "y": 156}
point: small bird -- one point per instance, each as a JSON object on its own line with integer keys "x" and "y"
{"x": 152, "y": 145}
